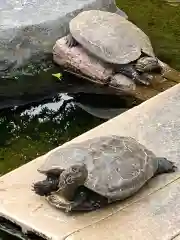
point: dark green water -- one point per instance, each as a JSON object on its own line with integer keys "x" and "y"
{"x": 30, "y": 131}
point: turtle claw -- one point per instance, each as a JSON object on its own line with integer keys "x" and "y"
{"x": 144, "y": 78}
{"x": 70, "y": 41}
{"x": 68, "y": 209}
{"x": 32, "y": 187}
{"x": 35, "y": 187}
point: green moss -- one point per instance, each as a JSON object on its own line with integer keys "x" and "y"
{"x": 161, "y": 22}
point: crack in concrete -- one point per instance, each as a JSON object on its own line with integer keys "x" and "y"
{"x": 136, "y": 201}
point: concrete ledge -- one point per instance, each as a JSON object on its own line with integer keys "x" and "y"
{"x": 154, "y": 217}
{"x": 155, "y": 123}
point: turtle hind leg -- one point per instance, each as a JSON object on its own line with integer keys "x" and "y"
{"x": 70, "y": 41}
{"x": 165, "y": 166}
{"x": 130, "y": 71}
{"x": 148, "y": 64}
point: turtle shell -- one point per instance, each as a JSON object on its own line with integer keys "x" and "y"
{"x": 117, "y": 166}
{"x": 110, "y": 36}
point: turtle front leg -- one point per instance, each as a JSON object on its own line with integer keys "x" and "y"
{"x": 45, "y": 187}
{"x": 70, "y": 41}
{"x": 130, "y": 71}
{"x": 56, "y": 201}
{"x": 80, "y": 203}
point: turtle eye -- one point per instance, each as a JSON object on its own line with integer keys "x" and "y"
{"x": 74, "y": 169}
{"x": 69, "y": 179}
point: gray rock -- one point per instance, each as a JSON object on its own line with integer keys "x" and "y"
{"x": 29, "y": 28}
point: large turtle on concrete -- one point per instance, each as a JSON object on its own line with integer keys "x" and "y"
{"x": 115, "y": 40}
{"x": 98, "y": 171}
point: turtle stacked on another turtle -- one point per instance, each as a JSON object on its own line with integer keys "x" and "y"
{"x": 115, "y": 40}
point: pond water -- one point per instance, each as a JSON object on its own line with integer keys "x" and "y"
{"x": 32, "y": 130}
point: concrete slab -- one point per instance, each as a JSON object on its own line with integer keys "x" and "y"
{"x": 29, "y": 28}
{"x": 153, "y": 218}
{"x": 155, "y": 124}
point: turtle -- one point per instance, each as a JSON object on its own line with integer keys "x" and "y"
{"x": 117, "y": 41}
{"x": 98, "y": 171}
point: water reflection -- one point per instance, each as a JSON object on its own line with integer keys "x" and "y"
{"x": 27, "y": 132}
{"x": 32, "y": 130}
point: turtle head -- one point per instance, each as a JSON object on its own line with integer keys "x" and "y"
{"x": 64, "y": 181}
{"x": 71, "y": 178}
{"x": 148, "y": 64}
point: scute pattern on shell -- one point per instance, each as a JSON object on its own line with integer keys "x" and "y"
{"x": 109, "y": 36}
{"x": 117, "y": 166}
